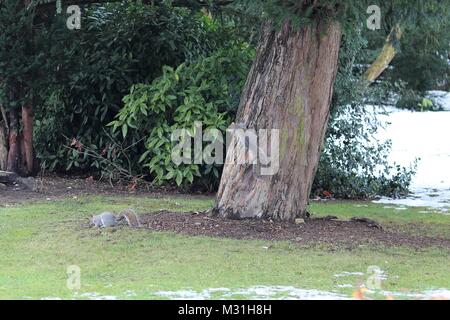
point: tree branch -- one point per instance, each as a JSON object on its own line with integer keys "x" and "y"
{"x": 385, "y": 57}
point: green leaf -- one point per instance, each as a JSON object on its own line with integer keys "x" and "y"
{"x": 190, "y": 177}
{"x": 144, "y": 156}
{"x": 179, "y": 178}
{"x": 124, "y": 130}
{"x": 170, "y": 175}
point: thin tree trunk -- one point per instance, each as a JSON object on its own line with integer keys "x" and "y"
{"x": 289, "y": 88}
{"x": 3, "y": 146}
{"x": 14, "y": 142}
{"x": 4, "y": 116}
{"x": 27, "y": 135}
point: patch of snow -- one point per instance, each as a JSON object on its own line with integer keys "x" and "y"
{"x": 293, "y": 293}
{"x": 440, "y": 205}
{"x": 129, "y": 293}
{"x": 442, "y": 97}
{"x": 437, "y": 294}
{"x": 274, "y": 292}
{"x": 212, "y": 290}
{"x": 255, "y": 292}
{"x": 423, "y": 135}
{"x": 345, "y": 285}
{"x": 94, "y": 296}
{"x": 184, "y": 295}
{"x": 349, "y": 274}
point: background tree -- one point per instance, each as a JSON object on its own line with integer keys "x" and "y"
{"x": 20, "y": 59}
{"x": 421, "y": 61}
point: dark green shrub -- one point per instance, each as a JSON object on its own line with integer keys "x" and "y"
{"x": 93, "y": 68}
{"x": 354, "y": 163}
{"x": 207, "y": 91}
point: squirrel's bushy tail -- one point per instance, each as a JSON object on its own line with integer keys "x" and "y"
{"x": 131, "y": 217}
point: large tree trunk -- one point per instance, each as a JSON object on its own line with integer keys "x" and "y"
{"x": 289, "y": 88}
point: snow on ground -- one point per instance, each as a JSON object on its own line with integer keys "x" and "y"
{"x": 256, "y": 292}
{"x": 269, "y": 293}
{"x": 442, "y": 98}
{"x": 424, "y": 135}
{"x": 293, "y": 293}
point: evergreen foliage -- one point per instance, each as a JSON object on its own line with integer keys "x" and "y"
{"x": 182, "y": 65}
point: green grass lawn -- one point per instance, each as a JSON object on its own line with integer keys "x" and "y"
{"x": 39, "y": 241}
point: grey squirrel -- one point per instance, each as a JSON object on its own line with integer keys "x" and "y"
{"x": 108, "y": 219}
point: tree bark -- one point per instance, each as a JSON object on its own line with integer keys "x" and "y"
{"x": 3, "y": 146}
{"x": 27, "y": 135}
{"x": 289, "y": 88}
{"x": 14, "y": 142}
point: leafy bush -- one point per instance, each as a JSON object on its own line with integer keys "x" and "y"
{"x": 93, "y": 68}
{"x": 207, "y": 91}
{"x": 354, "y": 163}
